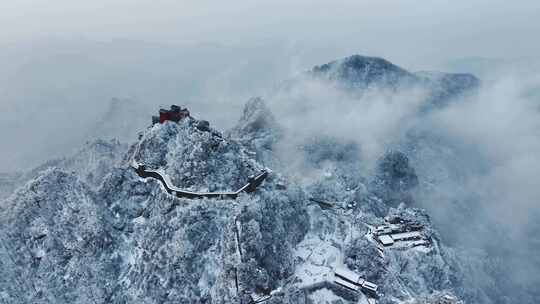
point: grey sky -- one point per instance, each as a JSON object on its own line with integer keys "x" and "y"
{"x": 63, "y": 60}
{"x": 401, "y": 30}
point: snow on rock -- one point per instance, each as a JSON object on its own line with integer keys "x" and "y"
{"x": 257, "y": 121}
{"x": 179, "y": 250}
{"x": 195, "y": 159}
{"x": 91, "y": 164}
{"x": 258, "y": 129}
{"x": 95, "y": 160}
{"x": 54, "y": 243}
{"x": 444, "y": 297}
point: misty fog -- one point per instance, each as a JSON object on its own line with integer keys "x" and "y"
{"x": 67, "y": 67}
{"x": 62, "y": 62}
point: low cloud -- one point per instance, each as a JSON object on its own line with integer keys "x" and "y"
{"x": 373, "y": 120}
{"x": 477, "y": 159}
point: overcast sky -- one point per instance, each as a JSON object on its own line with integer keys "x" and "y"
{"x": 408, "y": 31}
{"x": 61, "y": 58}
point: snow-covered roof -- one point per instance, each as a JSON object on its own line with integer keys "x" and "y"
{"x": 347, "y": 274}
{"x": 370, "y": 286}
{"x": 406, "y": 236}
{"x": 346, "y": 283}
{"x": 386, "y": 240}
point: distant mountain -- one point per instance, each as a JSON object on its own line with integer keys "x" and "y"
{"x": 258, "y": 129}
{"x": 445, "y": 87}
{"x": 122, "y": 120}
{"x": 359, "y": 73}
{"x": 91, "y": 164}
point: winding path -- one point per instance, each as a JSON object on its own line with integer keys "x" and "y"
{"x": 252, "y": 184}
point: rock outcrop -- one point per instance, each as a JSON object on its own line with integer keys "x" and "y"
{"x": 258, "y": 129}
{"x": 394, "y": 178}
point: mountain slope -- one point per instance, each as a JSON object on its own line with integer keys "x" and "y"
{"x": 164, "y": 249}
{"x": 157, "y": 248}
{"x": 55, "y": 245}
{"x": 91, "y": 164}
{"x": 112, "y": 237}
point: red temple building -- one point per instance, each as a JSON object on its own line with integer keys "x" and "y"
{"x": 175, "y": 114}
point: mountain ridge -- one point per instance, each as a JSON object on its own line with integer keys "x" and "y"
{"x": 116, "y": 238}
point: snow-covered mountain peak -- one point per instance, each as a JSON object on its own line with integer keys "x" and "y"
{"x": 256, "y": 118}
{"x": 358, "y": 73}
{"x": 194, "y": 158}
{"x": 257, "y": 129}
{"x": 361, "y": 72}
